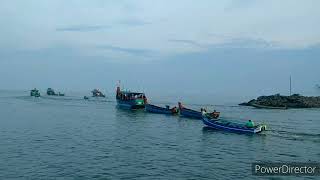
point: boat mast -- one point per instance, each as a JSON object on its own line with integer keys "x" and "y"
{"x": 290, "y": 85}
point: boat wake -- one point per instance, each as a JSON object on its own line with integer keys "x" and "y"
{"x": 296, "y": 136}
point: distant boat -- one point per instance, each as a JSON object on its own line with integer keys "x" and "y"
{"x": 161, "y": 110}
{"x": 97, "y": 93}
{"x": 193, "y": 113}
{"x": 35, "y": 92}
{"x": 51, "y": 92}
{"x": 130, "y": 100}
{"x": 228, "y": 125}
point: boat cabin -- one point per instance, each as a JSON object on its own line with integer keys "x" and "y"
{"x": 127, "y": 95}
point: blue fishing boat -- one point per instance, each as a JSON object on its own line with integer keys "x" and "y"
{"x": 195, "y": 114}
{"x": 161, "y": 110}
{"x": 228, "y": 125}
{"x": 130, "y": 100}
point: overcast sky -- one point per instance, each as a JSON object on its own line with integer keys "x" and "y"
{"x": 54, "y": 42}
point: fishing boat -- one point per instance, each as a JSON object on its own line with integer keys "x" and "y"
{"x": 130, "y": 100}
{"x": 97, "y": 93}
{"x": 51, "y": 92}
{"x": 195, "y": 114}
{"x": 161, "y": 110}
{"x": 35, "y": 92}
{"x": 227, "y": 125}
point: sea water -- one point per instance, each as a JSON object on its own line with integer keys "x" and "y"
{"x": 72, "y": 138}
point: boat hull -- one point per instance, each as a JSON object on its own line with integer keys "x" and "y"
{"x": 159, "y": 110}
{"x": 190, "y": 113}
{"x": 216, "y": 124}
{"x": 130, "y": 104}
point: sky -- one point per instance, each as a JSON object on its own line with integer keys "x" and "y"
{"x": 232, "y": 47}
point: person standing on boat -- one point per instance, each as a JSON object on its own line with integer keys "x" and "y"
{"x": 250, "y": 124}
{"x": 174, "y": 110}
{"x": 145, "y": 100}
{"x": 203, "y": 111}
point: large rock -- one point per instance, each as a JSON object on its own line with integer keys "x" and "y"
{"x": 293, "y": 101}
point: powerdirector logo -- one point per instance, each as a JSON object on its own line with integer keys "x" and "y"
{"x": 286, "y": 169}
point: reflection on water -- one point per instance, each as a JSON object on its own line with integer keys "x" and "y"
{"x": 63, "y": 137}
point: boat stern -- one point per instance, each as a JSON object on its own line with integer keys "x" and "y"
{"x": 260, "y": 128}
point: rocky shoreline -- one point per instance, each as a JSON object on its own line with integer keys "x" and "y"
{"x": 278, "y": 101}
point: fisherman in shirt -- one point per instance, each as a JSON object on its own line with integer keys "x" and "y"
{"x": 250, "y": 124}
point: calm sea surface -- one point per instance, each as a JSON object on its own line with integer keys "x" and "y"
{"x": 70, "y": 138}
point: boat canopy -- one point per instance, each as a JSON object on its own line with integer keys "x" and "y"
{"x": 128, "y": 93}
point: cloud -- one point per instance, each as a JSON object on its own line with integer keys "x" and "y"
{"x": 236, "y": 4}
{"x": 134, "y": 22}
{"x": 230, "y": 42}
{"x": 248, "y": 43}
{"x": 187, "y": 42}
{"x": 133, "y": 51}
{"x": 233, "y": 42}
{"x": 219, "y": 35}
{"x": 83, "y": 28}
{"x": 87, "y": 28}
